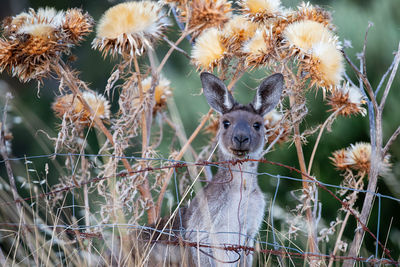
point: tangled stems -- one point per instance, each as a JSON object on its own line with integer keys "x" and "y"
{"x": 378, "y": 150}
{"x": 62, "y": 71}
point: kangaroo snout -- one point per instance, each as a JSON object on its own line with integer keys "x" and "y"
{"x": 241, "y": 141}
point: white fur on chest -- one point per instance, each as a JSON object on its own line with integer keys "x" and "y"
{"x": 235, "y": 215}
{"x": 244, "y": 212}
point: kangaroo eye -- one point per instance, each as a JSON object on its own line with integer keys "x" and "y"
{"x": 257, "y": 126}
{"x": 226, "y": 124}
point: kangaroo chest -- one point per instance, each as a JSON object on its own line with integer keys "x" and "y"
{"x": 242, "y": 211}
{"x": 232, "y": 208}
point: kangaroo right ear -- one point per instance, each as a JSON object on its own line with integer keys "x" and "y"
{"x": 268, "y": 94}
{"x": 216, "y": 93}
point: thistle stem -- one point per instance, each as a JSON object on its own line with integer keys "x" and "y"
{"x": 144, "y": 190}
{"x": 4, "y": 154}
{"x": 319, "y": 138}
{"x": 306, "y": 188}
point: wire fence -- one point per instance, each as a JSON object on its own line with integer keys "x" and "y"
{"x": 89, "y": 231}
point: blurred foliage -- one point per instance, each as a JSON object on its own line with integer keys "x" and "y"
{"x": 351, "y": 18}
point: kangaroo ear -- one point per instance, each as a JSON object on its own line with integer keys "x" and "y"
{"x": 268, "y": 94}
{"x": 216, "y": 93}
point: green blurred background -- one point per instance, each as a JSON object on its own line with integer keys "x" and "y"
{"x": 32, "y": 110}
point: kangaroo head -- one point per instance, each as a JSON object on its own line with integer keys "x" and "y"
{"x": 241, "y": 129}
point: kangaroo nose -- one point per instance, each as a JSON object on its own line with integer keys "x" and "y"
{"x": 241, "y": 139}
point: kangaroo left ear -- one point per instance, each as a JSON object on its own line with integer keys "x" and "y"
{"x": 216, "y": 93}
{"x": 268, "y": 93}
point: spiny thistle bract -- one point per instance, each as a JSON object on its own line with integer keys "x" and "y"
{"x": 260, "y": 10}
{"x": 35, "y": 40}
{"x": 208, "y": 52}
{"x": 260, "y": 49}
{"x": 70, "y": 107}
{"x": 358, "y": 157}
{"x": 347, "y": 100}
{"x": 130, "y": 28}
{"x": 204, "y": 14}
{"x": 339, "y": 159}
{"x": 306, "y": 11}
{"x": 77, "y": 24}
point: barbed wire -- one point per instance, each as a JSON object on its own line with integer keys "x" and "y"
{"x": 278, "y": 249}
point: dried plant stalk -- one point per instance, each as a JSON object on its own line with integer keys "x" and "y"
{"x": 144, "y": 188}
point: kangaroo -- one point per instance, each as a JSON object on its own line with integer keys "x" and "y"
{"x": 230, "y": 209}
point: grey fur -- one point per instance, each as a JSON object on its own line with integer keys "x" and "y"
{"x": 233, "y": 201}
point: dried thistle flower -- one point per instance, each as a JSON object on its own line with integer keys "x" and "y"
{"x": 324, "y": 65}
{"x": 259, "y": 49}
{"x": 208, "y": 52}
{"x": 11, "y": 24}
{"x": 358, "y": 157}
{"x": 71, "y": 107}
{"x": 276, "y": 127}
{"x": 237, "y": 31}
{"x": 279, "y": 24}
{"x": 130, "y": 28}
{"x": 260, "y": 10}
{"x": 77, "y": 24}
{"x": 35, "y": 40}
{"x": 339, "y": 159}
{"x": 306, "y": 11}
{"x": 204, "y": 14}
{"x": 304, "y": 34}
{"x": 161, "y": 92}
{"x": 348, "y": 99}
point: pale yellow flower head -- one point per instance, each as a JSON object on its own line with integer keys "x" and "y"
{"x": 208, "y": 51}
{"x": 328, "y": 65}
{"x": 130, "y": 27}
{"x": 306, "y": 33}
